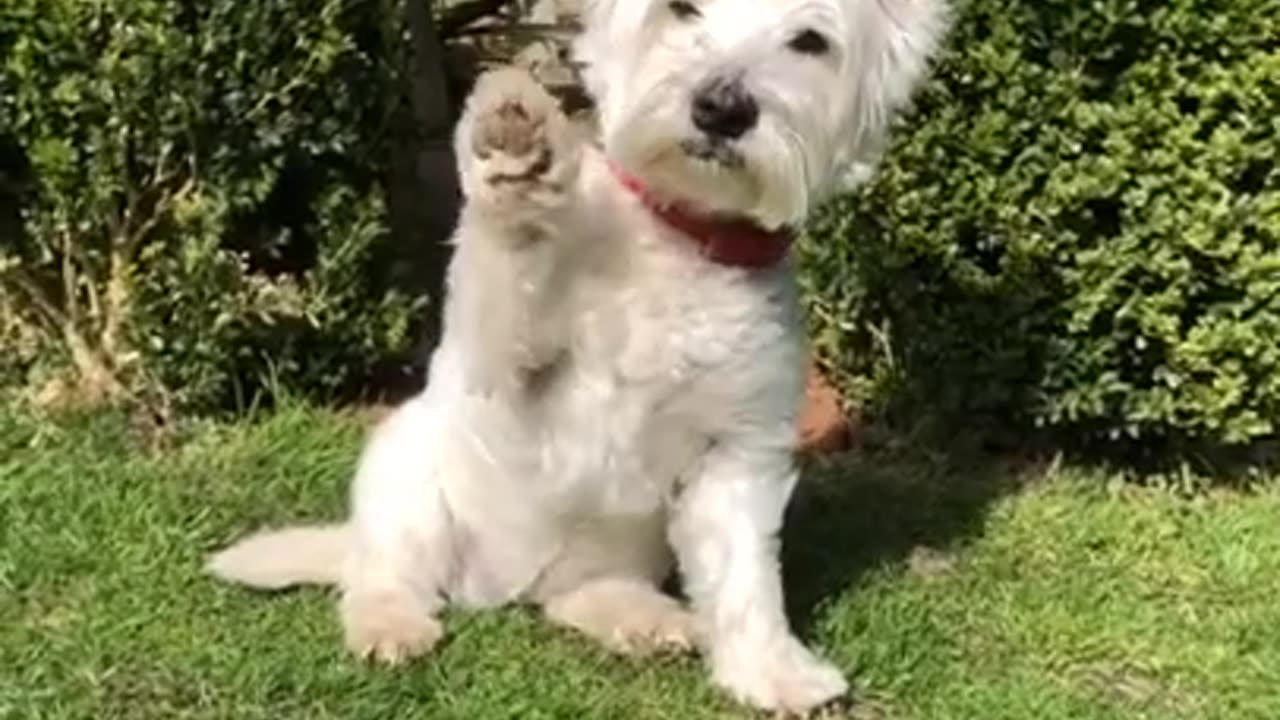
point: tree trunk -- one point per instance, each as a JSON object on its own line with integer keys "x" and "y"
{"x": 425, "y": 196}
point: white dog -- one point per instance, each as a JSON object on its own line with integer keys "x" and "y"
{"x": 623, "y": 356}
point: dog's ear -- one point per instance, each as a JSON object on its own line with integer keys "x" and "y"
{"x": 893, "y": 42}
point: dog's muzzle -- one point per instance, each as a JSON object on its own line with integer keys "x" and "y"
{"x": 713, "y": 151}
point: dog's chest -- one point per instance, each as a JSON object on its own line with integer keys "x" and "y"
{"x": 668, "y": 352}
{"x": 678, "y": 321}
{"x": 663, "y": 363}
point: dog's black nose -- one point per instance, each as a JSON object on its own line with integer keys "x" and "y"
{"x": 724, "y": 109}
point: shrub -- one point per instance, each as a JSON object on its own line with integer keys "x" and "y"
{"x": 190, "y": 194}
{"x": 1077, "y": 230}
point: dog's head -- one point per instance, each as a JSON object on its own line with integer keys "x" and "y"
{"x": 752, "y": 107}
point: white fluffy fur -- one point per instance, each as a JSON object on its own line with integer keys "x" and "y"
{"x": 603, "y": 395}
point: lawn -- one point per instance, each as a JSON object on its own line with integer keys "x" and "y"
{"x": 946, "y": 588}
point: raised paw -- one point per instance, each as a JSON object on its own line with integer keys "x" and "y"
{"x": 388, "y": 627}
{"x": 515, "y": 140}
{"x": 790, "y": 679}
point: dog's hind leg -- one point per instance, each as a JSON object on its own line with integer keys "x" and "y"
{"x": 401, "y": 554}
{"x": 630, "y": 616}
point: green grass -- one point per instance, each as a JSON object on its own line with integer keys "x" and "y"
{"x": 947, "y": 589}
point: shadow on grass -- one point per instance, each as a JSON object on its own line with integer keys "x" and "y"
{"x": 882, "y": 505}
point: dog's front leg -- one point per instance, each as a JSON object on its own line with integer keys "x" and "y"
{"x": 725, "y": 532}
{"x": 511, "y": 281}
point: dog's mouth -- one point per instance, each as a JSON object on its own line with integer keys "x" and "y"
{"x": 713, "y": 151}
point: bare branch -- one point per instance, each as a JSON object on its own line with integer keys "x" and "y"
{"x": 36, "y": 296}
{"x": 69, "y": 277}
{"x": 159, "y": 212}
{"x": 119, "y": 262}
{"x": 537, "y": 31}
{"x": 464, "y": 14}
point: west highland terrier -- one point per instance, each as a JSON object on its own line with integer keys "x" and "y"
{"x": 623, "y": 359}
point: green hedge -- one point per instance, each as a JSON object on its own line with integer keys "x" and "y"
{"x": 1078, "y": 229}
{"x": 192, "y": 195}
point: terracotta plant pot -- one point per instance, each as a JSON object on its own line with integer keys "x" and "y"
{"x": 823, "y": 425}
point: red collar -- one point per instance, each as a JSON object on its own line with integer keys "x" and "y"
{"x": 735, "y": 243}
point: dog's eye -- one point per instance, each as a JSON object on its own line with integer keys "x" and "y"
{"x": 809, "y": 42}
{"x": 684, "y": 10}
